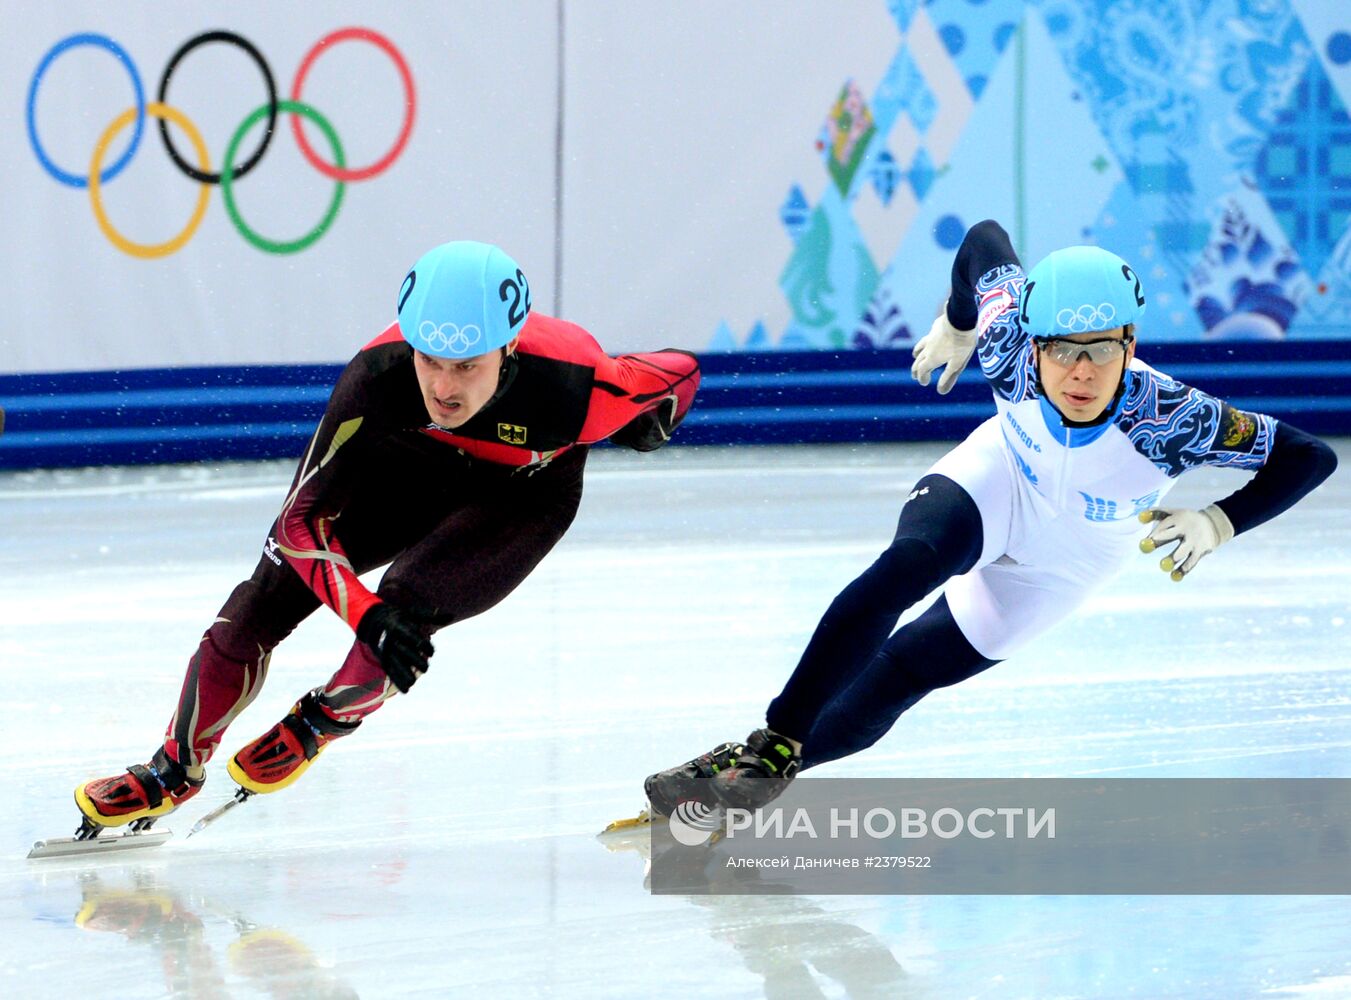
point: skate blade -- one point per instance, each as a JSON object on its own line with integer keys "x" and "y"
{"x": 644, "y": 818}
{"x": 65, "y": 847}
{"x": 241, "y": 795}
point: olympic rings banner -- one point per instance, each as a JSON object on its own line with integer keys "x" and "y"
{"x": 187, "y": 186}
{"x": 233, "y": 168}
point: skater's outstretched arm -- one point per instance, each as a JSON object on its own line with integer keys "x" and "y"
{"x": 986, "y": 278}
{"x": 640, "y": 399}
{"x": 1296, "y": 464}
{"x": 1288, "y": 463}
{"x": 987, "y": 282}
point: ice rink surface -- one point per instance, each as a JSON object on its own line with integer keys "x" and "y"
{"x": 448, "y": 849}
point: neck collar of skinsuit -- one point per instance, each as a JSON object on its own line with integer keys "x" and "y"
{"x": 505, "y": 377}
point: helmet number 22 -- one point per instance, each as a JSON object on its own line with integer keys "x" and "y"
{"x": 517, "y": 296}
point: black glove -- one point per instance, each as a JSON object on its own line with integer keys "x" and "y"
{"x": 398, "y": 640}
{"x": 649, "y": 431}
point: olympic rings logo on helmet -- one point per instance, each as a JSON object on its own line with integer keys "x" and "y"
{"x": 1086, "y": 318}
{"x": 232, "y": 169}
{"x": 458, "y": 341}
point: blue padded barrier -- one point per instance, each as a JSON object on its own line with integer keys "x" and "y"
{"x": 269, "y": 411}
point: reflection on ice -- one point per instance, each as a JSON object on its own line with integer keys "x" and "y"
{"x": 184, "y": 932}
{"x": 787, "y": 940}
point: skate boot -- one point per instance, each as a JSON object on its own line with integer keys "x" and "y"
{"x": 690, "y": 780}
{"x": 760, "y": 773}
{"x": 281, "y": 755}
{"x": 139, "y": 795}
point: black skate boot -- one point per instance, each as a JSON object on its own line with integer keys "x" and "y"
{"x": 690, "y": 780}
{"x": 760, "y": 773}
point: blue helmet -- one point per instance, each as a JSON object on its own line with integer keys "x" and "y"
{"x": 1080, "y": 290}
{"x": 463, "y": 299}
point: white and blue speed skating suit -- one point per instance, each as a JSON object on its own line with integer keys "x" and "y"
{"x": 1023, "y": 520}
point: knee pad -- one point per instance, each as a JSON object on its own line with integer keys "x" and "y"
{"x": 942, "y": 515}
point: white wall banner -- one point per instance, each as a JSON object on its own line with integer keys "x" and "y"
{"x": 662, "y": 129}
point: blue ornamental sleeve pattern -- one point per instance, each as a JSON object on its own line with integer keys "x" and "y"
{"x": 1179, "y": 428}
{"x": 1005, "y": 352}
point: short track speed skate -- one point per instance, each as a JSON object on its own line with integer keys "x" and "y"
{"x": 134, "y": 799}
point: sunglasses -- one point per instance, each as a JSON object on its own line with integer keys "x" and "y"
{"x": 1099, "y": 352}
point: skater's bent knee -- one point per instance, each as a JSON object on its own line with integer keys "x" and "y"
{"x": 904, "y": 561}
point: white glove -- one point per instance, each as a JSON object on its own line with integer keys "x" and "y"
{"x": 1197, "y": 533}
{"x": 943, "y": 345}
